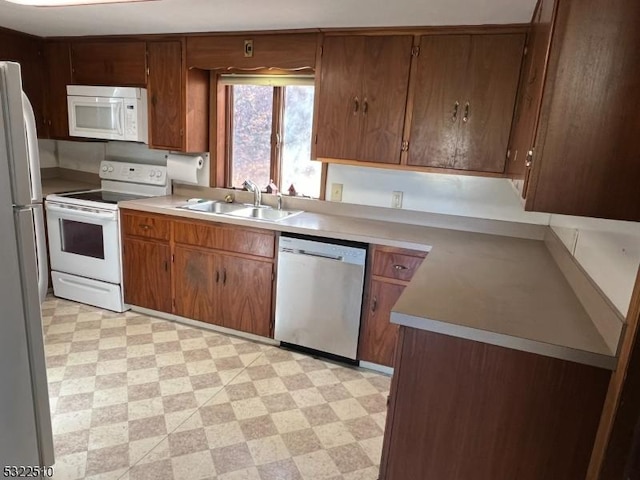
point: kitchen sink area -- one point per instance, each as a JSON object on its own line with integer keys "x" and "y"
{"x": 241, "y": 210}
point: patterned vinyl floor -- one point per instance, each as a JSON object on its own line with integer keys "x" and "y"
{"x": 136, "y": 397}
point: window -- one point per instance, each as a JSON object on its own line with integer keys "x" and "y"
{"x": 268, "y": 135}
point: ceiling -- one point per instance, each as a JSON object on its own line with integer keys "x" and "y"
{"x": 181, "y": 16}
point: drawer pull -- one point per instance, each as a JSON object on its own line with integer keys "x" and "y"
{"x": 400, "y": 267}
{"x": 144, "y": 226}
{"x": 374, "y": 304}
{"x": 224, "y": 276}
{"x": 217, "y": 276}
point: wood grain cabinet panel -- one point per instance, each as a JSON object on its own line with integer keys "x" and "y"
{"x": 197, "y": 291}
{"x": 286, "y": 52}
{"x": 463, "y": 410}
{"x": 586, "y": 159}
{"x": 58, "y": 63}
{"x": 145, "y": 225}
{"x": 116, "y": 63}
{"x": 146, "y": 274}
{"x": 465, "y": 90}
{"x": 378, "y": 338}
{"x": 391, "y": 270}
{"x": 246, "y": 292}
{"x": 362, "y": 90}
{"x": 165, "y": 95}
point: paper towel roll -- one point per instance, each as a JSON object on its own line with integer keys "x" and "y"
{"x": 184, "y": 168}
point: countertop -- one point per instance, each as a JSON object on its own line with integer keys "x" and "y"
{"x": 489, "y": 288}
{"x": 59, "y": 185}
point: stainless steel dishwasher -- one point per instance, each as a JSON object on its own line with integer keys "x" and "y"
{"x": 319, "y": 295}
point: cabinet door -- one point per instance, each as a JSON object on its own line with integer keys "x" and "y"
{"x": 528, "y": 101}
{"x": 146, "y": 274}
{"x": 340, "y": 97}
{"x": 166, "y": 117}
{"x": 197, "y": 283}
{"x": 487, "y": 107}
{"x": 384, "y": 97}
{"x": 438, "y": 100}
{"x": 109, "y": 63}
{"x": 247, "y": 287}
{"x": 58, "y": 62}
{"x": 378, "y": 335}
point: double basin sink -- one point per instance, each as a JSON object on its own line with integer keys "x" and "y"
{"x": 241, "y": 210}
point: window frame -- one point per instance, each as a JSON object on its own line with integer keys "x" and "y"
{"x": 224, "y": 132}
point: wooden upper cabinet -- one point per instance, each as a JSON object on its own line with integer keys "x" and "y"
{"x": 438, "y": 83}
{"x": 58, "y": 63}
{"x": 166, "y": 115}
{"x": 362, "y": 90}
{"x": 586, "y": 160}
{"x": 464, "y": 95}
{"x": 527, "y": 112}
{"x": 222, "y": 52}
{"x": 114, "y": 63}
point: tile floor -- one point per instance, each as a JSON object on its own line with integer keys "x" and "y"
{"x": 135, "y": 397}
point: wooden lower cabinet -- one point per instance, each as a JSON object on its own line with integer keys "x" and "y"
{"x": 224, "y": 290}
{"x": 391, "y": 270}
{"x": 379, "y": 335}
{"x": 246, "y": 293}
{"x": 196, "y": 290}
{"x": 147, "y": 274}
{"x": 463, "y": 410}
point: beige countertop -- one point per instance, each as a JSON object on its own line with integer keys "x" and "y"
{"x": 489, "y": 288}
{"x": 59, "y": 185}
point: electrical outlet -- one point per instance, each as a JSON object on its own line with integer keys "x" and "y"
{"x": 396, "y": 199}
{"x": 336, "y": 192}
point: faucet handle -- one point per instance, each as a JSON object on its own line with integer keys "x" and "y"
{"x": 279, "y": 199}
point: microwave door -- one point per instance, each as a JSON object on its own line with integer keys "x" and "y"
{"x": 96, "y": 117}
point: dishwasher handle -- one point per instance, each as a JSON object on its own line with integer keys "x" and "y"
{"x": 309, "y": 253}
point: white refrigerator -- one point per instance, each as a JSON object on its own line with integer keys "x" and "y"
{"x": 25, "y": 420}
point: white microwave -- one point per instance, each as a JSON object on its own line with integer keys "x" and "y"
{"x": 108, "y": 113}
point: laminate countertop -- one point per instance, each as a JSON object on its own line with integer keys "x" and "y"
{"x": 60, "y": 185}
{"x": 494, "y": 289}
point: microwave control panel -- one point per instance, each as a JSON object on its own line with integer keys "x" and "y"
{"x": 131, "y": 120}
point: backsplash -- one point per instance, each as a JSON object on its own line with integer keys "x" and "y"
{"x": 478, "y": 197}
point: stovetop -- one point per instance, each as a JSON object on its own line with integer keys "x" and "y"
{"x": 102, "y": 196}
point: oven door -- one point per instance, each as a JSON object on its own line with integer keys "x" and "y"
{"x": 84, "y": 241}
{"x": 96, "y": 117}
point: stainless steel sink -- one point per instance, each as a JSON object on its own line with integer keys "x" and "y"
{"x": 213, "y": 206}
{"x": 240, "y": 210}
{"x": 264, "y": 213}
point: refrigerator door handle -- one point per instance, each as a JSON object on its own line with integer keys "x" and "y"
{"x": 41, "y": 252}
{"x": 32, "y": 149}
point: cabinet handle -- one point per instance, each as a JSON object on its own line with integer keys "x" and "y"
{"x": 144, "y": 227}
{"x": 400, "y": 267}
{"x": 224, "y": 276}
{"x": 166, "y": 266}
{"x": 365, "y": 106}
{"x": 356, "y": 105}
{"x": 374, "y": 304}
{"x": 465, "y": 119}
{"x": 217, "y": 276}
{"x": 455, "y": 111}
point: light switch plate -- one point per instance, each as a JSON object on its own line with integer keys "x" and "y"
{"x": 396, "y": 199}
{"x": 336, "y": 192}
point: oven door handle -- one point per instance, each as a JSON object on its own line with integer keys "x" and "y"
{"x": 80, "y": 213}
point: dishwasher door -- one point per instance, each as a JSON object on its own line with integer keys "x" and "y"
{"x": 319, "y": 299}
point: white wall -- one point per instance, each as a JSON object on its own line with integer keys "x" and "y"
{"x": 48, "y": 156}
{"x": 608, "y": 250}
{"x": 480, "y": 197}
{"x": 86, "y": 156}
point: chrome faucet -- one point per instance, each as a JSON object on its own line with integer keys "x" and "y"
{"x": 279, "y": 200}
{"x": 257, "y": 194}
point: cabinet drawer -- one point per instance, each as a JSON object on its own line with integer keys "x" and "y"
{"x": 147, "y": 226}
{"x": 222, "y": 237}
{"x": 396, "y": 264}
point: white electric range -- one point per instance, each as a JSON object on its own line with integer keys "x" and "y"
{"x": 84, "y": 233}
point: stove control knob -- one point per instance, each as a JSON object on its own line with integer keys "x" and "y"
{"x": 158, "y": 173}
{"x": 110, "y": 168}
{"x": 151, "y": 173}
{"x": 104, "y": 168}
